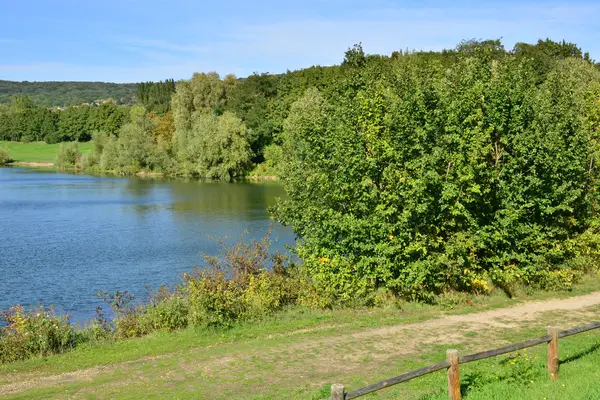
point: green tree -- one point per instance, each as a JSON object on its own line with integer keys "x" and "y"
{"x": 546, "y": 53}
{"x": 135, "y": 142}
{"x": 4, "y": 156}
{"x": 207, "y": 141}
{"x": 156, "y": 96}
{"x": 432, "y": 176}
{"x": 73, "y": 124}
{"x": 355, "y": 56}
{"x": 68, "y": 155}
{"x": 218, "y": 147}
{"x": 6, "y": 121}
{"x": 107, "y": 117}
{"x": 482, "y": 48}
{"x": 210, "y": 92}
{"x": 249, "y": 100}
{"x": 49, "y": 127}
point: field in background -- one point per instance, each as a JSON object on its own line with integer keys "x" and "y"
{"x": 39, "y": 152}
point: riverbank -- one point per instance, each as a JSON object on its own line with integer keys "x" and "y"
{"x": 118, "y": 233}
{"x": 140, "y": 174}
{"x": 43, "y": 155}
{"x": 31, "y": 164}
{"x": 298, "y": 353}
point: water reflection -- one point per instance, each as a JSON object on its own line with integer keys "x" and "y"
{"x": 66, "y": 236}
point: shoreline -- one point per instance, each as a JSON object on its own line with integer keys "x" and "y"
{"x": 31, "y": 164}
{"x": 140, "y": 174}
{"x": 262, "y": 178}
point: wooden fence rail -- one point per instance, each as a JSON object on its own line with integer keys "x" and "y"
{"x": 453, "y": 360}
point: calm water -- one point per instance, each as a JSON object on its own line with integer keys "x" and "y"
{"x": 63, "y": 237}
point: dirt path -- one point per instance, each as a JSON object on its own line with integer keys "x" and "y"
{"x": 314, "y": 355}
{"x": 502, "y": 317}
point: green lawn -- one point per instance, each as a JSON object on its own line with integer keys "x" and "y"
{"x": 37, "y": 151}
{"x": 524, "y": 376}
{"x": 298, "y": 354}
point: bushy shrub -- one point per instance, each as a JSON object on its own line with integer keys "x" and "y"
{"x": 167, "y": 311}
{"x": 97, "y": 331}
{"x": 128, "y": 324}
{"x": 87, "y": 161}
{"x": 238, "y": 285}
{"x": 385, "y": 298}
{"x": 273, "y": 154}
{"x": 126, "y": 316}
{"x": 244, "y": 282}
{"x": 68, "y": 155}
{"x": 109, "y": 160}
{"x": 218, "y": 301}
{"x": 39, "y": 332}
{"x": 214, "y": 299}
{"x": 4, "y": 156}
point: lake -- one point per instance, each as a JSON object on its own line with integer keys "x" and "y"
{"x": 66, "y": 236}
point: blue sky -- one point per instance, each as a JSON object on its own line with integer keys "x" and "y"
{"x": 139, "y": 40}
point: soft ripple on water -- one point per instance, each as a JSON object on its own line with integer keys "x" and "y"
{"x": 64, "y": 237}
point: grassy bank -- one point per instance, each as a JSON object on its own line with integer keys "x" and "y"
{"x": 37, "y": 152}
{"x": 299, "y": 352}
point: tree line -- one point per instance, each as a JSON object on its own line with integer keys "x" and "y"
{"x": 155, "y": 96}
{"x": 22, "y": 120}
{"x": 260, "y": 103}
{"x": 66, "y": 94}
{"x": 410, "y": 174}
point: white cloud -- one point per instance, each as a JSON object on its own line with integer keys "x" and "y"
{"x": 302, "y": 42}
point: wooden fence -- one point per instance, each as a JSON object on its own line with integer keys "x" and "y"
{"x": 453, "y": 360}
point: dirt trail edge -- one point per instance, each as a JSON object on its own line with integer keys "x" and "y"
{"x": 413, "y": 336}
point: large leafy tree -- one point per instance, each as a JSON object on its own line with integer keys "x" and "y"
{"x": 423, "y": 179}
{"x": 203, "y": 94}
{"x": 136, "y": 143}
{"x": 208, "y": 142}
{"x": 249, "y": 100}
{"x": 218, "y": 146}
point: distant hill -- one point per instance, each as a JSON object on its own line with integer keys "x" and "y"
{"x": 62, "y": 94}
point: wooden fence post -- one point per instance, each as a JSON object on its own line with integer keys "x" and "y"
{"x": 337, "y": 392}
{"x": 453, "y": 375}
{"x": 553, "y": 353}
